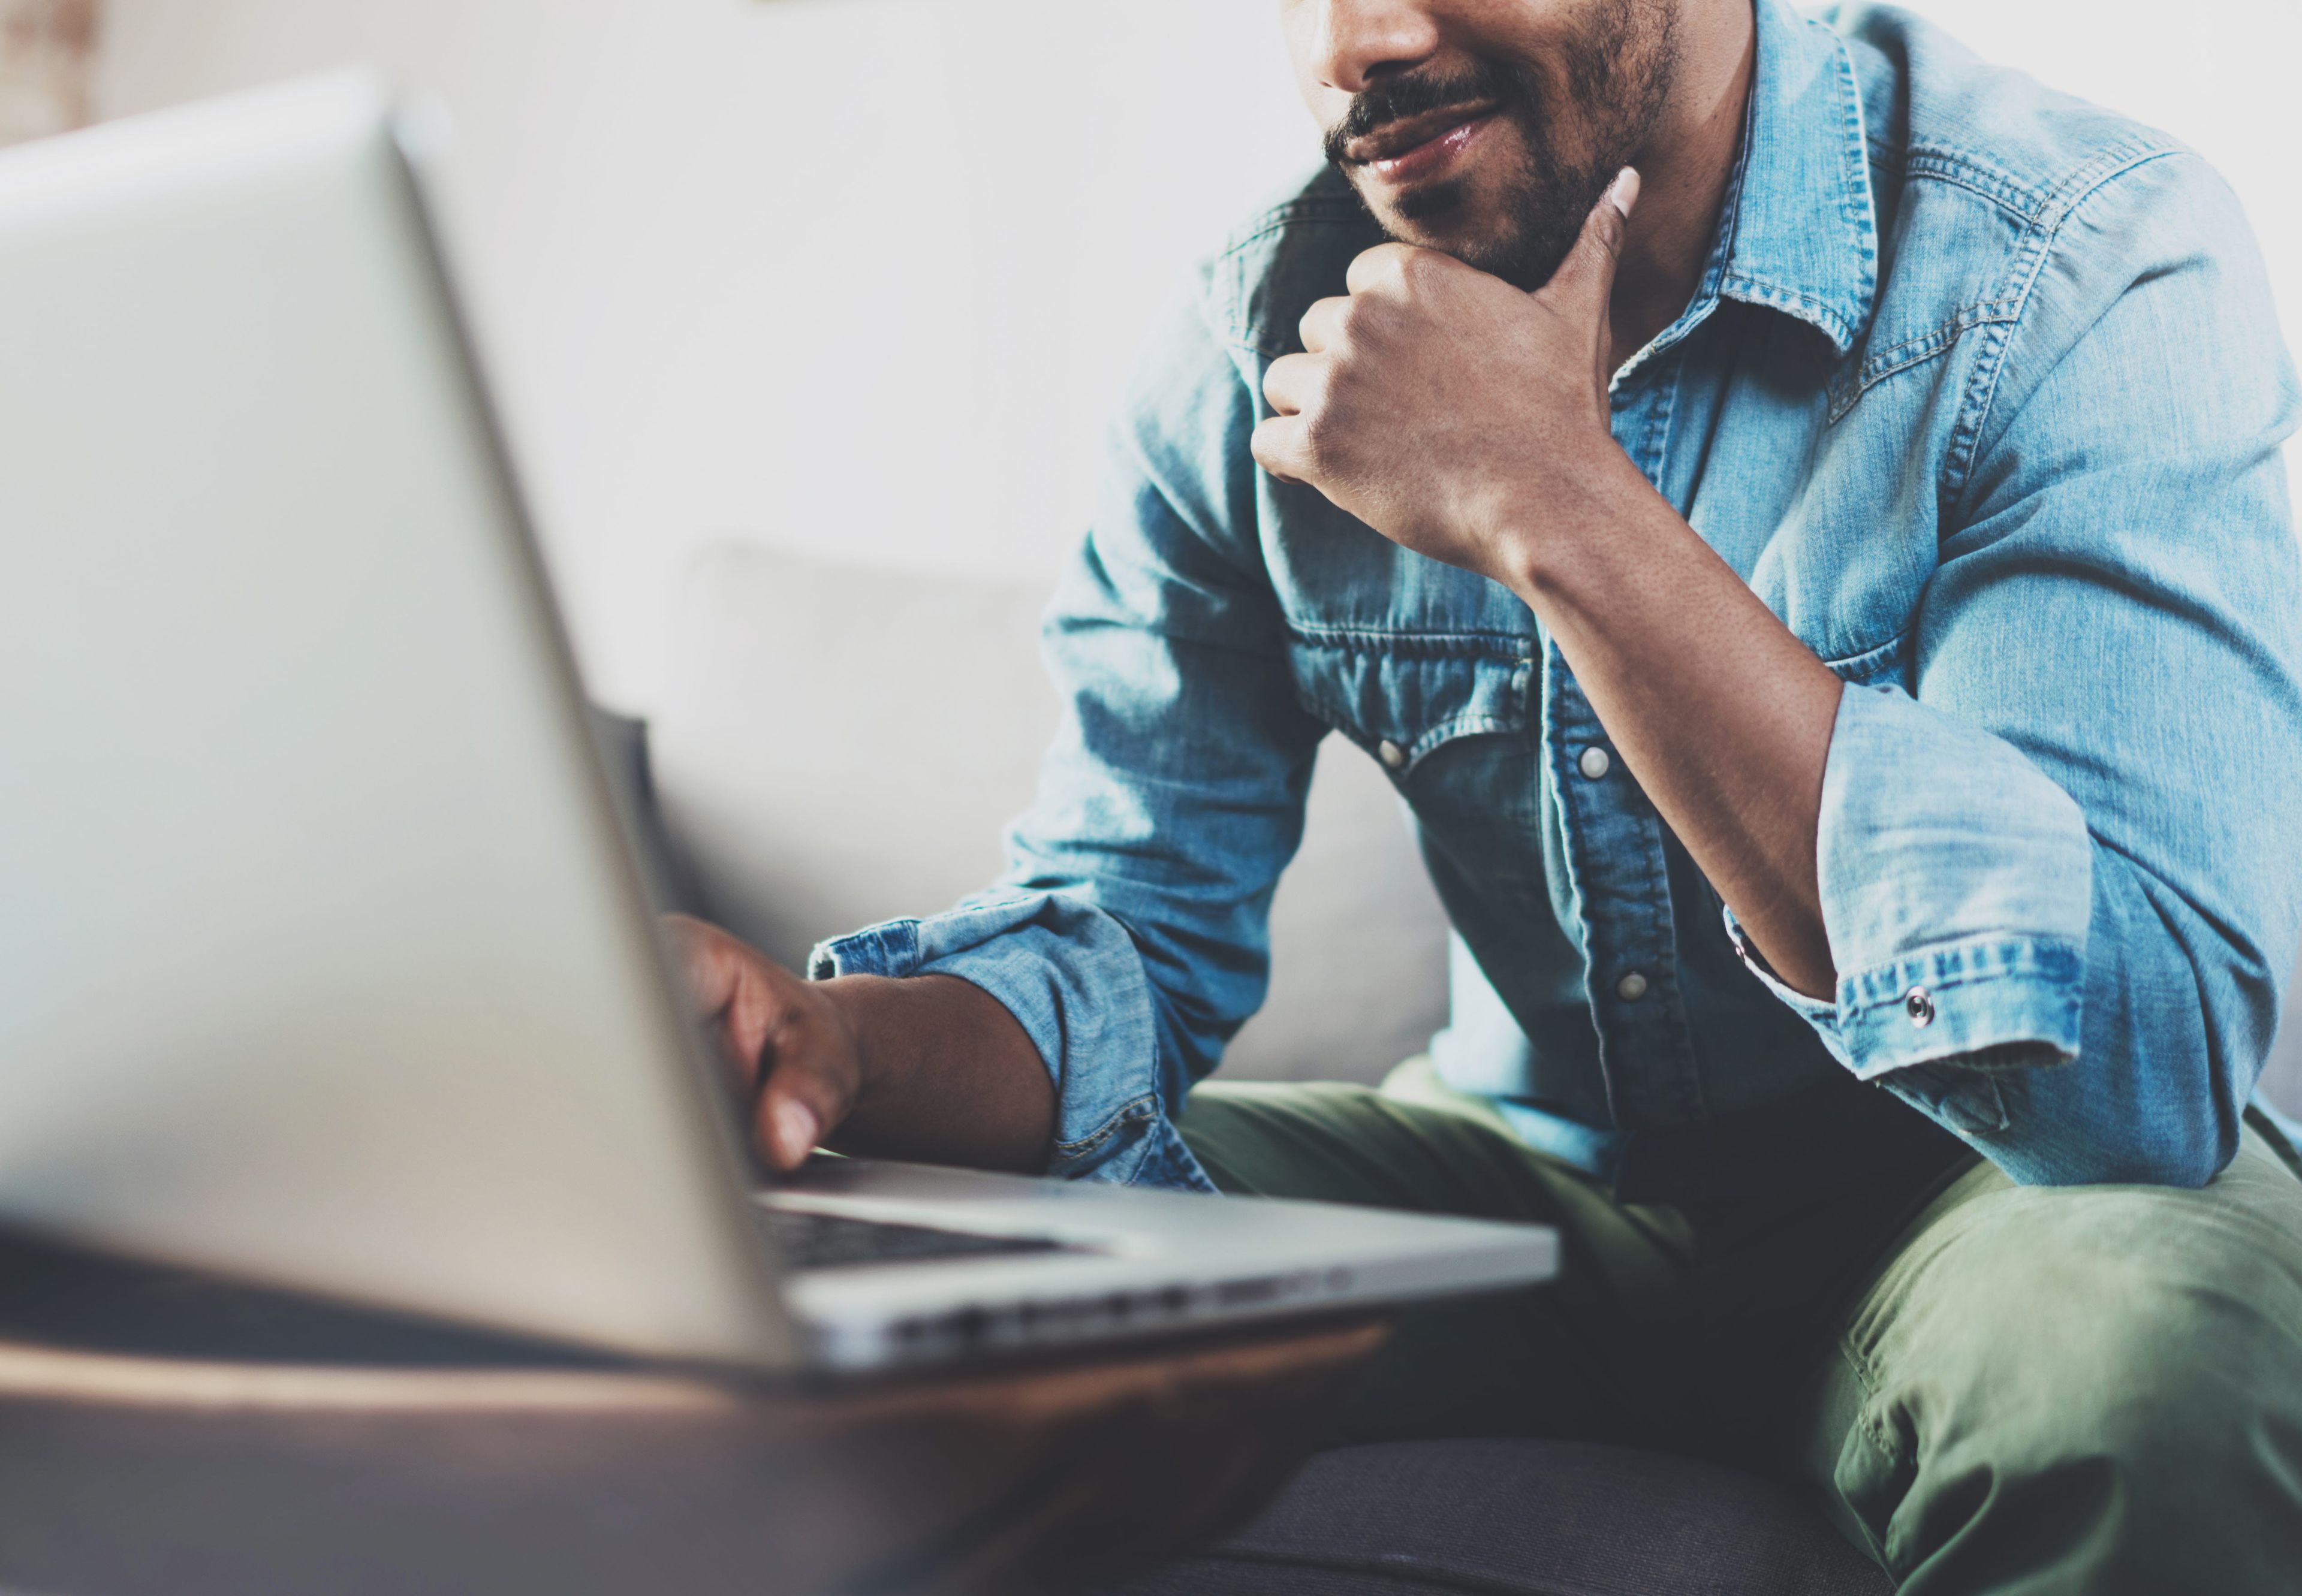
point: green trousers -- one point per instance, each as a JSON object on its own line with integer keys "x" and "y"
{"x": 1995, "y": 1388}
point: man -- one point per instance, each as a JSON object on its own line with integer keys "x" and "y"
{"x": 1798, "y": 514}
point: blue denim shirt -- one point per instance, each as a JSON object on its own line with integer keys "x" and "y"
{"x": 1983, "y": 393}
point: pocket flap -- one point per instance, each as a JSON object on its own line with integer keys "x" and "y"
{"x": 1413, "y": 691}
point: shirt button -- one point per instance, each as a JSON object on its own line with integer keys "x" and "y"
{"x": 1595, "y": 764}
{"x": 1630, "y": 988}
{"x": 1919, "y": 1003}
{"x": 1392, "y": 755}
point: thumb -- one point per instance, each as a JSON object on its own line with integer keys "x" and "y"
{"x": 1586, "y": 280}
{"x": 788, "y": 1127}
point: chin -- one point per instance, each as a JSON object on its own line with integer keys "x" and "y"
{"x": 1454, "y": 225}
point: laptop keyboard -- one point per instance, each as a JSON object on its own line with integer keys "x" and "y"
{"x": 834, "y": 1242}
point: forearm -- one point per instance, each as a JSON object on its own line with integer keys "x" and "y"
{"x": 1466, "y": 420}
{"x": 948, "y": 1076}
{"x": 1720, "y": 712}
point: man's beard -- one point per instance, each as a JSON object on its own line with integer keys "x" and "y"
{"x": 1616, "y": 79}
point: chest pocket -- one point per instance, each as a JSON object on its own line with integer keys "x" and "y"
{"x": 1405, "y": 697}
{"x": 1452, "y": 718}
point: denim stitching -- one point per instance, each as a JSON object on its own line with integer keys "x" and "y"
{"x": 1857, "y": 213}
{"x": 1501, "y": 647}
{"x": 1139, "y": 1110}
{"x": 2024, "y": 958}
{"x": 2028, "y": 264}
{"x": 1915, "y": 351}
{"x": 1863, "y": 664}
{"x": 1435, "y": 646}
{"x": 2018, "y": 199}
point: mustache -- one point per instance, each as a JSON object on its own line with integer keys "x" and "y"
{"x": 1375, "y": 108}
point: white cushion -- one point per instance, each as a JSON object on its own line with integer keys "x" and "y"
{"x": 840, "y": 746}
{"x": 2282, "y": 1081}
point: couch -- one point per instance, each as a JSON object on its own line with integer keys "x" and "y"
{"x": 837, "y": 746}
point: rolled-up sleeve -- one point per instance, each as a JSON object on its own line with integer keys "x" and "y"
{"x": 1129, "y": 936}
{"x": 2055, "y": 857}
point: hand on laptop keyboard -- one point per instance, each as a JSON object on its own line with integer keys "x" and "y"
{"x": 930, "y": 1069}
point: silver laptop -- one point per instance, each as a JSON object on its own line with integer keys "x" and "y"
{"x": 323, "y": 960}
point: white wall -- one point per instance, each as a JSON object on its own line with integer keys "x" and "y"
{"x": 863, "y": 276}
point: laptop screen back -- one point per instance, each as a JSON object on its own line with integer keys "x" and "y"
{"x": 320, "y": 961}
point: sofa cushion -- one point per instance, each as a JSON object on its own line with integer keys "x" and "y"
{"x": 2282, "y": 1082}
{"x": 840, "y": 746}
{"x": 1525, "y": 1518}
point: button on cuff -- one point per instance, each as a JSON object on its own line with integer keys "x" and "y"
{"x": 2002, "y": 1002}
{"x": 1983, "y": 1003}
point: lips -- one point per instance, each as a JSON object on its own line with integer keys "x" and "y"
{"x": 1409, "y": 132}
{"x": 1421, "y": 147}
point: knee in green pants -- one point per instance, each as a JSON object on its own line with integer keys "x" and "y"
{"x": 2093, "y": 1389}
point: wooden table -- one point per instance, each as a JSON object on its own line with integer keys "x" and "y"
{"x": 166, "y": 1434}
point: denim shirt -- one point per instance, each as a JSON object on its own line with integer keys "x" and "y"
{"x": 1983, "y": 394}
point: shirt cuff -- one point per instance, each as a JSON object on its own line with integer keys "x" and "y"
{"x": 1982, "y": 1004}
{"x": 1071, "y": 976}
{"x": 1956, "y": 883}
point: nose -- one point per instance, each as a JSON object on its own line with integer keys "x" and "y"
{"x": 1352, "y": 44}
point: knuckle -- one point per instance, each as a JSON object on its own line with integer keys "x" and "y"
{"x": 1376, "y": 269}
{"x": 1315, "y": 392}
{"x": 1321, "y": 437}
{"x": 1420, "y": 271}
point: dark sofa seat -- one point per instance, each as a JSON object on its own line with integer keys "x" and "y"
{"x": 1525, "y": 1519}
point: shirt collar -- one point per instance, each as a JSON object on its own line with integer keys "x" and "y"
{"x": 1799, "y": 231}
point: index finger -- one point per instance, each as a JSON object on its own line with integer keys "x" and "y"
{"x": 706, "y": 970}
{"x": 1321, "y": 325}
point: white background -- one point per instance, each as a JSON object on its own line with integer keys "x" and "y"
{"x": 863, "y": 277}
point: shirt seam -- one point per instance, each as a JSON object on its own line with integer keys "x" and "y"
{"x": 1916, "y": 351}
{"x": 2026, "y": 202}
{"x": 1503, "y": 647}
{"x": 1432, "y": 738}
{"x": 1142, "y": 1108}
{"x": 2026, "y": 971}
{"x": 2019, "y": 200}
{"x": 2044, "y": 233}
{"x": 1860, "y": 666}
{"x": 2038, "y": 209}
{"x": 2022, "y": 961}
